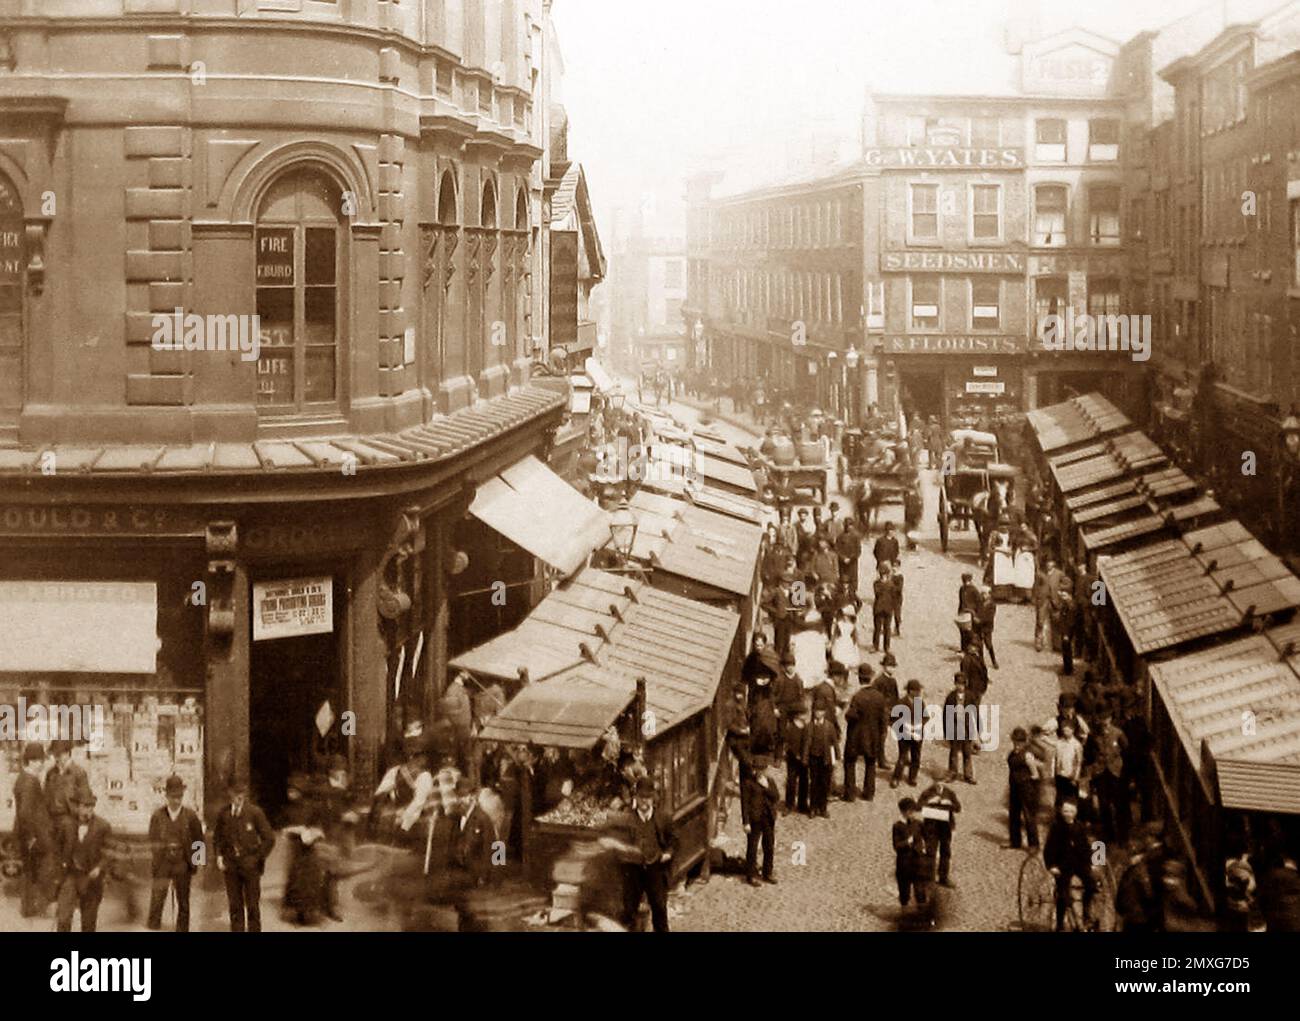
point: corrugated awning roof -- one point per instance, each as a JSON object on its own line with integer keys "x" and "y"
{"x": 722, "y": 451}
{"x": 706, "y": 547}
{"x": 678, "y": 645}
{"x": 1127, "y": 454}
{"x": 1171, "y": 592}
{"x": 733, "y": 505}
{"x": 440, "y": 439}
{"x": 1075, "y": 421}
{"x": 536, "y": 509}
{"x": 1259, "y": 786}
{"x": 1237, "y": 702}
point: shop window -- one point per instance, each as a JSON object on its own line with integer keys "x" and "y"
{"x": 12, "y": 269}
{"x": 1051, "y": 296}
{"x": 1103, "y": 139}
{"x": 1051, "y": 205}
{"x": 925, "y": 304}
{"x": 1103, "y": 215}
{"x": 1049, "y": 140}
{"x": 298, "y": 243}
{"x": 924, "y": 200}
{"x": 985, "y": 304}
{"x": 986, "y": 212}
{"x": 984, "y": 133}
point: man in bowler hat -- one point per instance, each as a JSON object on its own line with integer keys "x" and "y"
{"x": 759, "y": 795}
{"x": 646, "y": 851}
{"x": 83, "y": 852}
{"x": 243, "y": 840}
{"x": 176, "y": 837}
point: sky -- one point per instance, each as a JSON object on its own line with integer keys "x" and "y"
{"x": 656, "y": 90}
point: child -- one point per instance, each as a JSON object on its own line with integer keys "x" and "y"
{"x": 1069, "y": 763}
{"x": 820, "y": 740}
{"x": 1022, "y": 798}
{"x": 912, "y": 867}
{"x": 796, "y": 764}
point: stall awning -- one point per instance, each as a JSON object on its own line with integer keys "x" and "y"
{"x": 570, "y": 711}
{"x": 536, "y": 509}
{"x": 733, "y": 505}
{"x": 1075, "y": 421}
{"x": 722, "y": 451}
{"x": 103, "y": 627}
{"x": 1128, "y": 454}
{"x": 700, "y": 545}
{"x": 1237, "y": 702}
{"x": 1259, "y": 786}
{"x": 603, "y": 381}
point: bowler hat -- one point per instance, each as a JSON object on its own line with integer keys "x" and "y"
{"x": 33, "y": 752}
{"x": 645, "y": 788}
{"x": 889, "y": 660}
{"x": 84, "y": 796}
{"x": 913, "y": 685}
{"x": 174, "y": 785}
{"x": 238, "y": 785}
{"x": 787, "y": 658}
{"x": 836, "y": 669}
{"x": 865, "y": 673}
{"x": 60, "y": 747}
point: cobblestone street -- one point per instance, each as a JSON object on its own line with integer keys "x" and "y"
{"x": 845, "y": 881}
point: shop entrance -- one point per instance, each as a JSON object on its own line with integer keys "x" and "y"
{"x": 921, "y": 392}
{"x": 290, "y": 678}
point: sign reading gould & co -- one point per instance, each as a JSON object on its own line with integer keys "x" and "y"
{"x": 932, "y": 156}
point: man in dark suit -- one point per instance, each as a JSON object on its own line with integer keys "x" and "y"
{"x": 911, "y": 855}
{"x": 175, "y": 835}
{"x": 63, "y": 780}
{"x": 471, "y": 852}
{"x": 759, "y": 794}
{"x": 984, "y": 619}
{"x": 883, "y": 606}
{"x": 1067, "y": 854}
{"x": 885, "y": 549}
{"x": 867, "y": 717}
{"x": 34, "y": 834}
{"x": 243, "y": 840}
{"x": 83, "y": 855}
{"x": 848, "y": 548}
{"x": 647, "y": 851}
{"x": 960, "y": 729}
{"x": 820, "y": 741}
{"x": 939, "y": 809}
{"x": 968, "y": 595}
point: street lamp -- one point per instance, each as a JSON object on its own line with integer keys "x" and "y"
{"x": 622, "y": 530}
{"x": 1290, "y": 434}
{"x": 851, "y": 358}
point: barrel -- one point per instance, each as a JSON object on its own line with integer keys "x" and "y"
{"x": 812, "y": 453}
{"x": 782, "y": 450}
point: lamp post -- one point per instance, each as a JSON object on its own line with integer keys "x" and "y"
{"x": 622, "y": 531}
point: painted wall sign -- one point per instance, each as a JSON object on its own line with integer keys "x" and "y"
{"x": 947, "y": 343}
{"x": 934, "y": 157}
{"x": 31, "y": 519}
{"x": 299, "y": 606}
{"x": 979, "y": 387}
{"x": 985, "y": 370}
{"x": 79, "y": 626}
{"x": 1093, "y": 265}
{"x": 950, "y": 262}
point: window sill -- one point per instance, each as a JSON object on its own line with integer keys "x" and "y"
{"x": 298, "y": 425}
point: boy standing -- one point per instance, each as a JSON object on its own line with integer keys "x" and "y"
{"x": 1022, "y": 800}
{"x": 820, "y": 740}
{"x": 758, "y": 800}
{"x": 911, "y": 855}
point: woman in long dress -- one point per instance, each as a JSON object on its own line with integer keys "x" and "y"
{"x": 844, "y": 638}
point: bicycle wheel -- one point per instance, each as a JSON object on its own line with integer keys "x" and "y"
{"x": 1036, "y": 894}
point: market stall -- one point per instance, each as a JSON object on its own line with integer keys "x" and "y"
{"x": 608, "y": 676}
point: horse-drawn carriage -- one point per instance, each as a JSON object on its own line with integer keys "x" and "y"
{"x": 794, "y": 472}
{"x": 975, "y": 489}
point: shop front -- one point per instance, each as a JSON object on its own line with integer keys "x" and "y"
{"x": 961, "y": 379}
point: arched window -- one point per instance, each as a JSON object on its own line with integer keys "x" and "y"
{"x": 447, "y": 200}
{"x": 488, "y": 220}
{"x": 12, "y": 266}
{"x": 299, "y": 242}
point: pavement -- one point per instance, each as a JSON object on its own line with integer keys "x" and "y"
{"x": 837, "y": 874}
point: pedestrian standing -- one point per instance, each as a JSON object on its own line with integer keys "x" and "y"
{"x": 867, "y": 718}
{"x": 913, "y": 508}
{"x": 887, "y": 684}
{"x": 825, "y": 564}
{"x": 1024, "y": 774}
{"x": 844, "y": 638}
{"x": 788, "y": 691}
{"x": 243, "y": 840}
{"x": 759, "y": 796}
{"x": 820, "y": 744}
{"x": 1068, "y": 764}
{"x": 985, "y": 617}
{"x": 83, "y": 855}
{"x": 908, "y": 724}
{"x": 848, "y": 549}
{"x": 833, "y": 526}
{"x": 176, "y": 840}
{"x": 796, "y": 764}
{"x": 63, "y": 780}
{"x": 1104, "y": 757}
{"x": 886, "y": 548}
{"x": 882, "y": 608}
{"x": 647, "y": 852}
{"x": 961, "y": 729}
{"x": 973, "y": 670}
{"x": 781, "y": 609}
{"x": 911, "y": 855}
{"x": 35, "y": 835}
{"x": 1042, "y": 596}
{"x": 896, "y": 576}
{"x": 939, "y": 808}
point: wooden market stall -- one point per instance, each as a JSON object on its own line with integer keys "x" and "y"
{"x": 603, "y": 666}
{"x": 1088, "y": 417}
{"x": 1226, "y": 744}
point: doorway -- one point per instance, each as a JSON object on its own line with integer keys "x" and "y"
{"x": 289, "y": 680}
{"x": 921, "y": 393}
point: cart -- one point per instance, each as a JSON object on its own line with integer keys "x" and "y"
{"x": 1036, "y": 895}
{"x": 965, "y": 496}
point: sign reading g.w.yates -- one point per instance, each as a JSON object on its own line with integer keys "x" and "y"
{"x": 931, "y": 156}
{"x": 950, "y": 262}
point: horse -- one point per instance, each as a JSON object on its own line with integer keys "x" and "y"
{"x": 988, "y": 506}
{"x": 867, "y": 501}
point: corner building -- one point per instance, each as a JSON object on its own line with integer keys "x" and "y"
{"x": 256, "y": 562}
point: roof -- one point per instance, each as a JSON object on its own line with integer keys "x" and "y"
{"x": 701, "y": 545}
{"x": 733, "y": 505}
{"x": 440, "y": 439}
{"x": 629, "y": 630}
{"x": 1077, "y": 420}
{"x": 1153, "y": 521}
{"x": 536, "y": 509}
{"x": 1238, "y": 704}
{"x": 1203, "y": 584}
{"x": 1126, "y": 454}
{"x": 571, "y": 209}
{"x": 1160, "y": 485}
